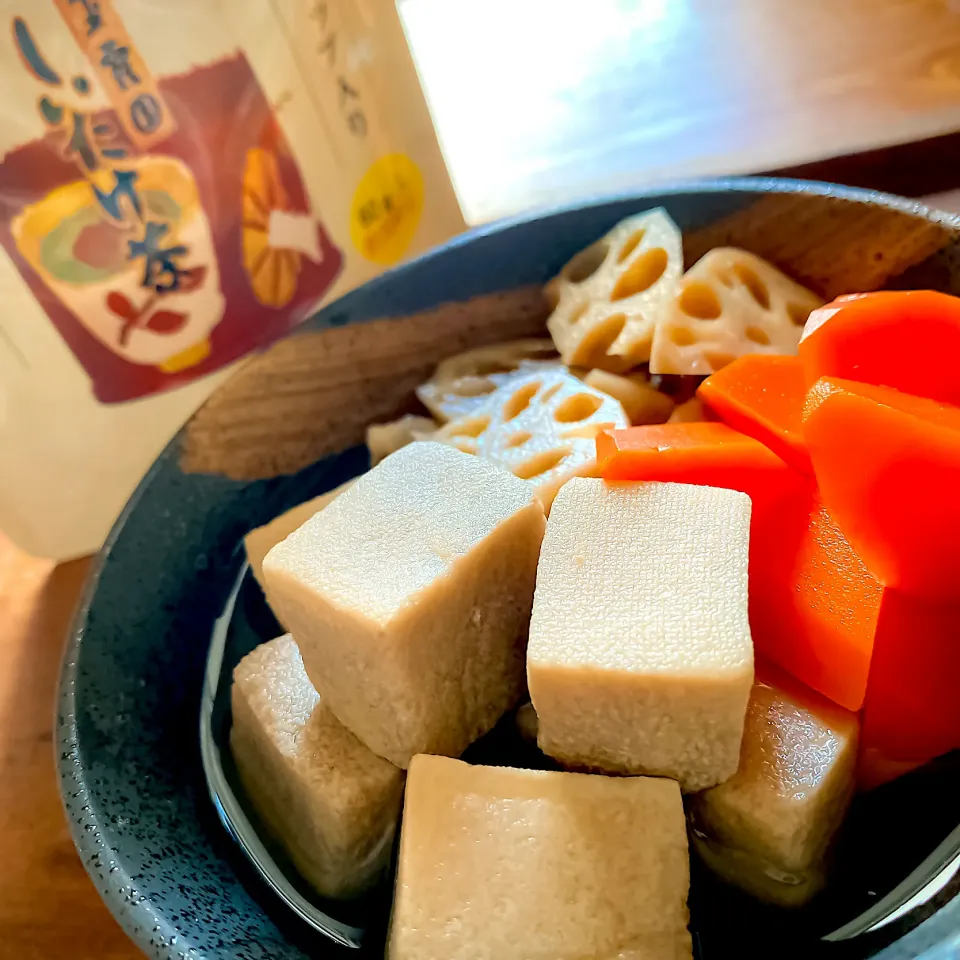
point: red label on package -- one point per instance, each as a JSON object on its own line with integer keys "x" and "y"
{"x": 168, "y": 235}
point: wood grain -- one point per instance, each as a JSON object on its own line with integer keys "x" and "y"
{"x": 315, "y": 393}
{"x": 49, "y": 909}
{"x": 831, "y": 245}
{"x": 546, "y": 101}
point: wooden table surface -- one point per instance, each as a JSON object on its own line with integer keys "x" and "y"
{"x": 536, "y": 102}
{"x": 49, "y": 909}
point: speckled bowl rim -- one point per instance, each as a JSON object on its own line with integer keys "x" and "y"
{"x": 936, "y": 938}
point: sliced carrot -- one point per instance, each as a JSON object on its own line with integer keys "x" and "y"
{"x": 909, "y": 340}
{"x": 910, "y": 713}
{"x": 762, "y": 396}
{"x": 813, "y": 604}
{"x": 815, "y": 609}
{"x": 818, "y": 613}
{"x": 888, "y": 466}
{"x": 708, "y": 454}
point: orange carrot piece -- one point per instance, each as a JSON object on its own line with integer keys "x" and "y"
{"x": 815, "y": 609}
{"x": 910, "y": 712}
{"x": 703, "y": 453}
{"x": 818, "y": 613}
{"x": 762, "y": 396}
{"x": 888, "y": 466}
{"x": 909, "y": 340}
{"x": 813, "y": 604}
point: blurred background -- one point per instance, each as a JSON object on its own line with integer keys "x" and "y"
{"x": 540, "y": 102}
{"x": 535, "y": 102}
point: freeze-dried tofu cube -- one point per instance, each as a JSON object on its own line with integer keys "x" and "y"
{"x": 386, "y": 438}
{"x": 769, "y": 827}
{"x": 610, "y": 297}
{"x": 641, "y": 402}
{"x": 729, "y": 303}
{"x": 542, "y": 427}
{"x": 640, "y": 658}
{"x": 410, "y": 599}
{"x": 331, "y": 803}
{"x": 505, "y": 864}
{"x": 260, "y": 541}
{"x": 462, "y": 383}
{"x": 525, "y": 721}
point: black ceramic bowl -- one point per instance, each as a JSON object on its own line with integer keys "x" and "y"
{"x": 288, "y": 427}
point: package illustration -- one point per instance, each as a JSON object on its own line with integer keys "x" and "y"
{"x": 181, "y": 184}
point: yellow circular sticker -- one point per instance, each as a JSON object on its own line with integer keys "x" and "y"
{"x": 386, "y": 208}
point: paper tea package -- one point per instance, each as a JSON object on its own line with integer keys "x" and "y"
{"x": 181, "y": 183}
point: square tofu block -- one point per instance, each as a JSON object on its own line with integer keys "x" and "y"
{"x": 410, "y": 597}
{"x": 768, "y": 828}
{"x": 505, "y": 864}
{"x": 261, "y": 540}
{"x": 640, "y": 657}
{"x": 331, "y": 803}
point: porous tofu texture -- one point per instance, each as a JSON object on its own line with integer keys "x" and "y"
{"x": 768, "y": 828}
{"x": 331, "y": 803}
{"x": 410, "y": 598}
{"x": 640, "y": 657}
{"x": 261, "y": 540}
{"x": 505, "y": 864}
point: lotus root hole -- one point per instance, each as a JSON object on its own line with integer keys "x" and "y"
{"x": 698, "y": 300}
{"x": 576, "y": 408}
{"x": 473, "y": 387}
{"x": 682, "y": 337}
{"x": 518, "y": 439}
{"x": 596, "y": 344}
{"x": 471, "y": 427}
{"x": 633, "y": 241}
{"x": 587, "y": 262}
{"x": 520, "y": 400}
{"x": 718, "y": 358}
{"x": 540, "y": 463}
{"x": 797, "y": 313}
{"x": 758, "y": 289}
{"x": 757, "y": 335}
{"x": 586, "y": 431}
{"x": 641, "y": 275}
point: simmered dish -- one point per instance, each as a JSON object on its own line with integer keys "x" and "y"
{"x": 529, "y": 863}
{"x": 700, "y": 547}
{"x": 332, "y": 802}
{"x": 409, "y": 596}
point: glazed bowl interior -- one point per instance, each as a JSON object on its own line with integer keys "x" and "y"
{"x": 288, "y": 426}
